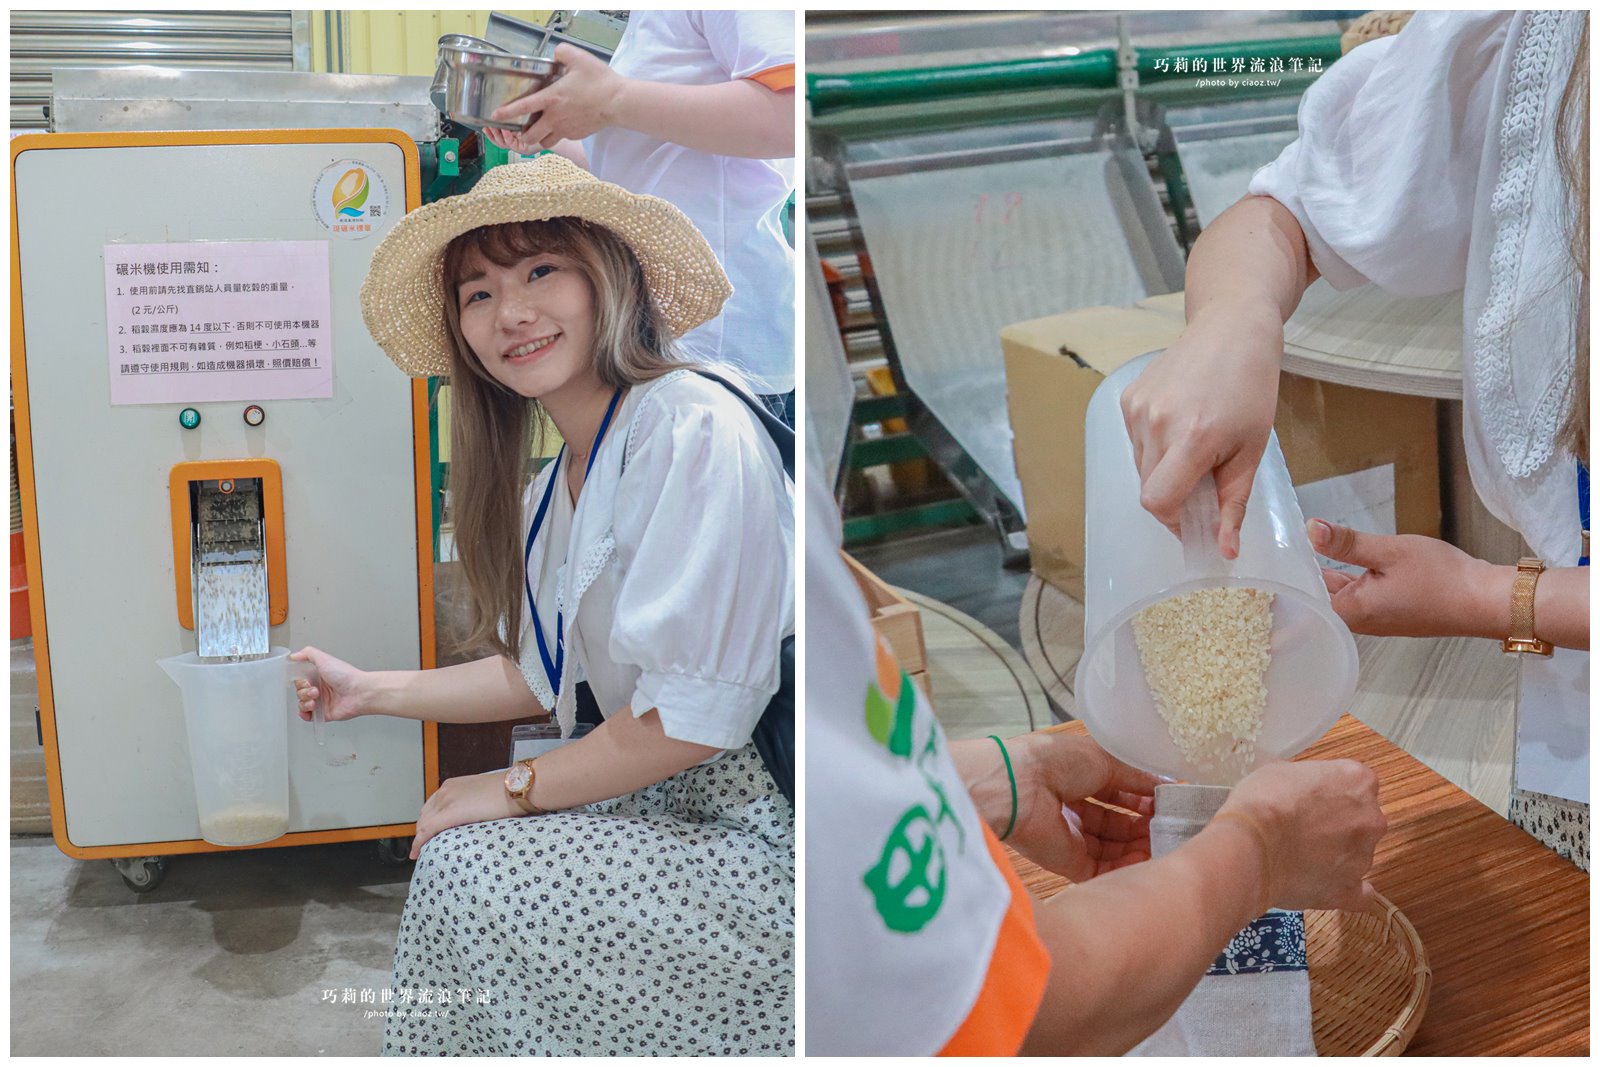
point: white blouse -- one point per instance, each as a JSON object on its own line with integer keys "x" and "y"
{"x": 674, "y": 576}
{"x": 1426, "y": 163}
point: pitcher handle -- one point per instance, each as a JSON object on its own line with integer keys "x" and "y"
{"x": 307, "y": 672}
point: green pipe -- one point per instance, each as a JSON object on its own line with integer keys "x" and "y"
{"x": 826, "y": 92}
{"x": 1095, "y": 69}
{"x": 956, "y": 112}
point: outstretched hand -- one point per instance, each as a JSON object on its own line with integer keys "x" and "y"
{"x": 1412, "y": 586}
{"x": 1063, "y": 825}
{"x": 345, "y": 692}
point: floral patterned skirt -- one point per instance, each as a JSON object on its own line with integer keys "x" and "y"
{"x": 1560, "y": 825}
{"x": 659, "y": 923}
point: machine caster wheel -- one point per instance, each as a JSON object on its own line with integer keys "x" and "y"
{"x": 394, "y": 851}
{"x": 141, "y": 873}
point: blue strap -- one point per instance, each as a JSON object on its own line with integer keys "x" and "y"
{"x": 553, "y": 665}
{"x": 1583, "y": 506}
{"x": 552, "y": 670}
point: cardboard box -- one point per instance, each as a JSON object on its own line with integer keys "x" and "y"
{"x": 896, "y": 620}
{"x": 1054, "y": 365}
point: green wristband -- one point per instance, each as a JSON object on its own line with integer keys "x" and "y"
{"x": 1012, "y": 825}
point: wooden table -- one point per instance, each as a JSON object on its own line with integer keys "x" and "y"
{"x": 1505, "y": 921}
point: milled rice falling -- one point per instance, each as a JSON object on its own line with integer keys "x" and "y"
{"x": 1205, "y": 656}
{"x": 232, "y": 608}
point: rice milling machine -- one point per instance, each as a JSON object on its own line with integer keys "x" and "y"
{"x": 198, "y": 401}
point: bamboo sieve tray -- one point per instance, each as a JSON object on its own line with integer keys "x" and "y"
{"x": 1369, "y": 980}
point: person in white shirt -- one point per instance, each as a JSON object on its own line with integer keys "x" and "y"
{"x": 1453, "y": 155}
{"x": 696, "y": 107}
{"x": 632, "y": 891}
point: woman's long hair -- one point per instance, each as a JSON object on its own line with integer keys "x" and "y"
{"x": 1572, "y": 155}
{"x": 492, "y": 427}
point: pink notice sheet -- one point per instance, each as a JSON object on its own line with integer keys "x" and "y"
{"x": 218, "y": 320}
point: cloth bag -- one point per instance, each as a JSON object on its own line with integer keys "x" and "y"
{"x": 1255, "y": 1000}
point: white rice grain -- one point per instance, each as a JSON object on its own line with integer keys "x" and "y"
{"x": 1205, "y": 655}
{"x": 244, "y": 824}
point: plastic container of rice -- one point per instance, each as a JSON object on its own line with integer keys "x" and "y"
{"x": 1196, "y": 667}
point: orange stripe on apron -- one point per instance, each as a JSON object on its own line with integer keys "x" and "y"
{"x": 775, "y": 78}
{"x": 1014, "y": 985}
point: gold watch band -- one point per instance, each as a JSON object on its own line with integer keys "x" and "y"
{"x": 1522, "y": 639}
{"x": 524, "y": 799}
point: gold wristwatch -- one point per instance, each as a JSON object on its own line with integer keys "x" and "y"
{"x": 519, "y": 787}
{"x": 1522, "y": 638}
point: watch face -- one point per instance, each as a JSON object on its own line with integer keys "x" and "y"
{"x": 517, "y": 778}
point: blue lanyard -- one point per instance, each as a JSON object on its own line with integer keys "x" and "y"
{"x": 552, "y": 666}
{"x": 1583, "y": 506}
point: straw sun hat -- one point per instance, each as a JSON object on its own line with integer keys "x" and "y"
{"x": 403, "y": 297}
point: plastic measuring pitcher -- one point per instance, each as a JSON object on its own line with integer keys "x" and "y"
{"x": 238, "y": 723}
{"x": 1132, "y": 561}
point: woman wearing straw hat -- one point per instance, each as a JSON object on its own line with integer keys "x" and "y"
{"x": 1451, "y": 155}
{"x": 630, "y": 892}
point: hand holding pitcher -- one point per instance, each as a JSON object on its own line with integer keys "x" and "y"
{"x": 343, "y": 691}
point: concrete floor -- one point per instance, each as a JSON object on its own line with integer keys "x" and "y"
{"x": 231, "y": 955}
{"x": 959, "y": 566}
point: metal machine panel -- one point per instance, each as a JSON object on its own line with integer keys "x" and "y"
{"x": 975, "y": 238}
{"x": 829, "y": 394}
{"x": 100, "y": 474}
{"x": 88, "y": 100}
{"x": 1218, "y": 170}
{"x": 1221, "y": 146}
{"x": 44, "y": 41}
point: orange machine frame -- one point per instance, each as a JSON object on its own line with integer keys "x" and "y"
{"x": 271, "y": 476}
{"x": 30, "y": 516}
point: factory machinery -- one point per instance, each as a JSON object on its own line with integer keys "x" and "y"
{"x": 968, "y": 171}
{"x": 214, "y": 457}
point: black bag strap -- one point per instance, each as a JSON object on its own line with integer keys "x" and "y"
{"x": 780, "y": 433}
{"x": 774, "y": 733}
{"x": 776, "y": 429}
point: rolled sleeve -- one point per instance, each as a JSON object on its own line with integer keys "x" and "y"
{"x": 701, "y": 710}
{"x": 1383, "y": 177}
{"x": 704, "y": 531}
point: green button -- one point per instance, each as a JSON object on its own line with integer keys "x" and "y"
{"x": 189, "y": 418}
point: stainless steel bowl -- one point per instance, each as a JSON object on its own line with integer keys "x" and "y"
{"x": 441, "y": 73}
{"x": 478, "y": 80}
